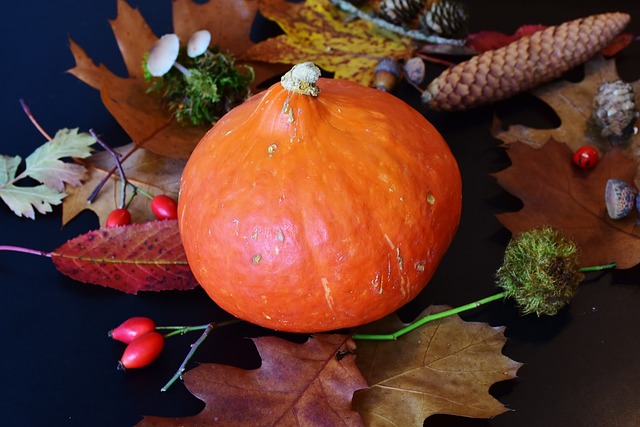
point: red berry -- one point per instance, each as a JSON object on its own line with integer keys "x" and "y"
{"x": 164, "y": 207}
{"x": 118, "y": 217}
{"x": 142, "y": 351}
{"x": 586, "y": 157}
{"x": 132, "y": 328}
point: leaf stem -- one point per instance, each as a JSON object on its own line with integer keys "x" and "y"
{"x": 31, "y": 117}
{"x": 452, "y": 311}
{"x": 426, "y": 319}
{"x": 24, "y": 250}
{"x": 598, "y": 267}
{"x": 414, "y": 34}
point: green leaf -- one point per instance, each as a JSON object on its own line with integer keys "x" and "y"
{"x": 44, "y": 163}
{"x": 8, "y": 168}
{"x": 23, "y": 200}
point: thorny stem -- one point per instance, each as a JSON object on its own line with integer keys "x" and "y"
{"x": 120, "y": 170}
{"x": 116, "y": 157}
{"x": 27, "y": 111}
{"x": 416, "y": 35}
{"x": 431, "y": 317}
{"x": 181, "y": 330}
{"x": 24, "y": 250}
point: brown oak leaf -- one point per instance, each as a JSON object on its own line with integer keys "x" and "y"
{"x": 317, "y": 31}
{"x": 443, "y": 367}
{"x": 556, "y": 193}
{"x": 573, "y": 103}
{"x": 296, "y": 385}
{"x": 132, "y": 258}
{"x": 142, "y": 115}
{"x": 150, "y": 172}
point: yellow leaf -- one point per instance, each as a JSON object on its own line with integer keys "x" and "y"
{"x": 317, "y": 31}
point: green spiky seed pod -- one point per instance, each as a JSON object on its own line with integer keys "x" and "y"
{"x": 615, "y": 110}
{"x": 521, "y": 65}
{"x": 446, "y": 18}
{"x": 540, "y": 271}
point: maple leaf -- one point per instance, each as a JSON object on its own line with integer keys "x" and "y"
{"x": 151, "y": 172}
{"x": 143, "y": 115}
{"x": 444, "y": 367}
{"x": 132, "y": 258}
{"x": 317, "y": 31}
{"x": 555, "y": 193}
{"x": 297, "y": 384}
{"x": 44, "y": 164}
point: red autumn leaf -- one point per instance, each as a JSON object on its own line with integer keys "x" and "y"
{"x": 297, "y": 385}
{"x": 489, "y": 40}
{"x": 137, "y": 257}
{"x": 556, "y": 193}
{"x": 618, "y": 43}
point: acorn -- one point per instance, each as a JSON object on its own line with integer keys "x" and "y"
{"x": 414, "y": 70}
{"x": 615, "y": 110}
{"x": 387, "y": 74}
{"x": 620, "y": 198}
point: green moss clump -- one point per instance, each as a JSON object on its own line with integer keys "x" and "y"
{"x": 540, "y": 271}
{"x": 214, "y": 85}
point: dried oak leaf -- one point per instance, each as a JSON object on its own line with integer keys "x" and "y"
{"x": 317, "y": 31}
{"x": 573, "y": 103}
{"x": 140, "y": 114}
{"x": 296, "y": 385}
{"x": 151, "y": 172}
{"x": 444, "y": 367}
{"x": 556, "y": 193}
{"x": 132, "y": 258}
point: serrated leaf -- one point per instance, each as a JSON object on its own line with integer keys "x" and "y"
{"x": 8, "y": 168}
{"x": 23, "y": 200}
{"x": 296, "y": 385}
{"x": 317, "y": 31}
{"x": 132, "y": 258}
{"x": 444, "y": 367}
{"x": 44, "y": 163}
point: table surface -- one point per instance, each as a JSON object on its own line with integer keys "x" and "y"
{"x": 57, "y": 366}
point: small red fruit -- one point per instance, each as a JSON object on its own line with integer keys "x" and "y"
{"x": 142, "y": 351}
{"x": 586, "y": 157}
{"x": 132, "y": 328}
{"x": 118, "y": 217}
{"x": 164, "y": 207}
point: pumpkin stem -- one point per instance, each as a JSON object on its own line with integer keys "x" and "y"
{"x": 302, "y": 79}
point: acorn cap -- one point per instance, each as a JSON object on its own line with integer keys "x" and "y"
{"x": 198, "y": 43}
{"x": 163, "y": 55}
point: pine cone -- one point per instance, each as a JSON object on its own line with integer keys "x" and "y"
{"x": 446, "y": 18}
{"x": 530, "y": 61}
{"x": 400, "y": 11}
{"x": 615, "y": 110}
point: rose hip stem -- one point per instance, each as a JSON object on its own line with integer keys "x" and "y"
{"x": 123, "y": 177}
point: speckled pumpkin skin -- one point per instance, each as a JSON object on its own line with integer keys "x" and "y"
{"x": 310, "y": 214}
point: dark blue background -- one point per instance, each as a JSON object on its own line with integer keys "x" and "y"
{"x": 57, "y": 366}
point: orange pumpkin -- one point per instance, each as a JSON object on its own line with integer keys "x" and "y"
{"x": 305, "y": 212}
